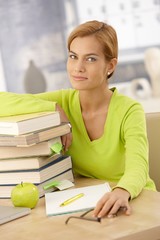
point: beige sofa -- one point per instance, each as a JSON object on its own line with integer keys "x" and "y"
{"x": 153, "y": 131}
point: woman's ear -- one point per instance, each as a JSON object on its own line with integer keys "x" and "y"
{"x": 112, "y": 65}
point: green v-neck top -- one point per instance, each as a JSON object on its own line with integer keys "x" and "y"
{"x": 120, "y": 155}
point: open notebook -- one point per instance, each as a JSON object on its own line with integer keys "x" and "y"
{"x": 9, "y": 213}
{"x": 89, "y": 199}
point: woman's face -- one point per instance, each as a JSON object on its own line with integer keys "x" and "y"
{"x": 87, "y": 67}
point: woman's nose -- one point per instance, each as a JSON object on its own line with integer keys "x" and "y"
{"x": 79, "y": 66}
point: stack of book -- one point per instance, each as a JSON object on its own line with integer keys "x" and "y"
{"x": 28, "y": 152}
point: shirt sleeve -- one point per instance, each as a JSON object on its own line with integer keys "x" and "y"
{"x": 14, "y": 103}
{"x": 134, "y": 137}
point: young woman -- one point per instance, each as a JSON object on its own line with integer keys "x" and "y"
{"x": 108, "y": 129}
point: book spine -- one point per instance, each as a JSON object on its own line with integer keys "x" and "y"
{"x": 59, "y": 158}
{"x": 36, "y": 176}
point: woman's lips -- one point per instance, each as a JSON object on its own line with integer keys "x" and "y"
{"x": 79, "y": 78}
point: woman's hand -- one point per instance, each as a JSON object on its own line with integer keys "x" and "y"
{"x": 67, "y": 138}
{"x": 112, "y": 202}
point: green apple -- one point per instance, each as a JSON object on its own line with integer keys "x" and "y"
{"x": 25, "y": 195}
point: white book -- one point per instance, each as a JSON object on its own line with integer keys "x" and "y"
{"x": 39, "y": 149}
{"x": 32, "y": 138}
{"x": 22, "y": 124}
{"x": 90, "y": 197}
{"x": 36, "y": 176}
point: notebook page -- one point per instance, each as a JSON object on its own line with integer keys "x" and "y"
{"x": 91, "y": 196}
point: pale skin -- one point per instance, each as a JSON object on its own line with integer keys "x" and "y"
{"x": 88, "y": 70}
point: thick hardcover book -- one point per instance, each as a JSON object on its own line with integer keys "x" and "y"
{"x": 22, "y": 124}
{"x": 5, "y": 190}
{"x": 40, "y": 149}
{"x": 26, "y": 163}
{"x": 36, "y": 176}
{"x": 34, "y": 137}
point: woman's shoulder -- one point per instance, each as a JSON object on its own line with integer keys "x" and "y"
{"x": 68, "y": 93}
{"x": 125, "y": 109}
{"x": 120, "y": 98}
{"x": 123, "y": 104}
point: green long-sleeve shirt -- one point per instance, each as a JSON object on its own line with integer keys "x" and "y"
{"x": 120, "y": 155}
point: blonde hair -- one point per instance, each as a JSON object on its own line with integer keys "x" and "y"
{"x": 104, "y": 33}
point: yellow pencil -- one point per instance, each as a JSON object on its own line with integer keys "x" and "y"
{"x": 72, "y": 199}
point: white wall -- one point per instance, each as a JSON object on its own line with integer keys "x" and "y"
{"x": 2, "y": 78}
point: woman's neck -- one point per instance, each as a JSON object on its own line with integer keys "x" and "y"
{"x": 92, "y": 101}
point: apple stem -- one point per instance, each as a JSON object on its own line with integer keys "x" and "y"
{"x": 22, "y": 184}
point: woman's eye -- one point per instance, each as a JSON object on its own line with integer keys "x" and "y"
{"x": 72, "y": 56}
{"x": 91, "y": 59}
